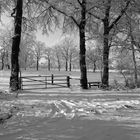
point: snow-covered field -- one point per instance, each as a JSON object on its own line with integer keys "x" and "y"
{"x": 70, "y": 114}
{"x": 69, "y": 118}
{"x": 103, "y": 109}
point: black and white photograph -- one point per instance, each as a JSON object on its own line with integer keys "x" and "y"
{"x": 69, "y": 69}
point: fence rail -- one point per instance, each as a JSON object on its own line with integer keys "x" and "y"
{"x": 44, "y": 81}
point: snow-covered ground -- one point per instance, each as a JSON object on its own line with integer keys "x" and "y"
{"x": 69, "y": 114}
{"x": 69, "y": 118}
{"x": 105, "y": 109}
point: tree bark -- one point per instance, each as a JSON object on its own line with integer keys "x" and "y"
{"x": 70, "y": 63}
{"x": 14, "y": 78}
{"x": 135, "y": 67}
{"x": 94, "y": 66}
{"x": 83, "y": 69}
{"x": 106, "y": 48}
{"x": 7, "y": 61}
{"x": 134, "y": 61}
{"x": 25, "y": 67}
{"x": 59, "y": 65}
{"x": 37, "y": 63}
{"x": 66, "y": 65}
{"x": 49, "y": 64}
{"x": 2, "y": 60}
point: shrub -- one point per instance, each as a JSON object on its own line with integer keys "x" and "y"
{"x": 130, "y": 83}
{"x": 117, "y": 86}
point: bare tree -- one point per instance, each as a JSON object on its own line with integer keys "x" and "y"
{"x": 26, "y": 50}
{"x": 58, "y": 56}
{"x": 132, "y": 29}
{"x": 14, "y": 78}
{"x": 68, "y": 51}
{"x": 72, "y": 56}
{"x": 5, "y": 48}
{"x": 65, "y": 52}
{"x": 38, "y": 50}
{"x": 93, "y": 57}
{"x": 48, "y": 56}
{"x": 109, "y": 15}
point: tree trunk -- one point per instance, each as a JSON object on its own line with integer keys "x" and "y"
{"x": 70, "y": 64}
{"x": 94, "y": 69}
{"x": 106, "y": 47}
{"x": 26, "y": 58}
{"x": 37, "y": 63}
{"x": 94, "y": 66}
{"x": 6, "y": 60}
{"x": 83, "y": 69}
{"x": 107, "y": 29}
{"x": 134, "y": 62}
{"x": 2, "y": 64}
{"x": 2, "y": 60}
{"x": 66, "y": 65}
{"x": 105, "y": 77}
{"x": 59, "y": 66}
{"x": 14, "y": 78}
{"x": 49, "y": 64}
{"x": 135, "y": 68}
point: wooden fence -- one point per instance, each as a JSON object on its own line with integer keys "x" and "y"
{"x": 44, "y": 81}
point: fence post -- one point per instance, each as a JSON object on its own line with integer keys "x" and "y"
{"x": 68, "y": 81}
{"x": 52, "y": 78}
{"x": 45, "y": 81}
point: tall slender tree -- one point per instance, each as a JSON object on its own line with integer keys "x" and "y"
{"x": 38, "y": 50}
{"x": 48, "y": 57}
{"x": 107, "y": 29}
{"x": 109, "y": 12}
{"x": 17, "y": 14}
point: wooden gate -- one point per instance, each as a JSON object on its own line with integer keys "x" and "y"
{"x": 44, "y": 81}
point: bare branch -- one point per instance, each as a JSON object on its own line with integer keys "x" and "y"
{"x": 74, "y": 20}
{"x": 95, "y": 16}
{"x": 92, "y": 8}
{"x": 13, "y": 13}
{"x": 42, "y": 13}
{"x": 64, "y": 13}
{"x": 121, "y": 14}
{"x": 79, "y": 2}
